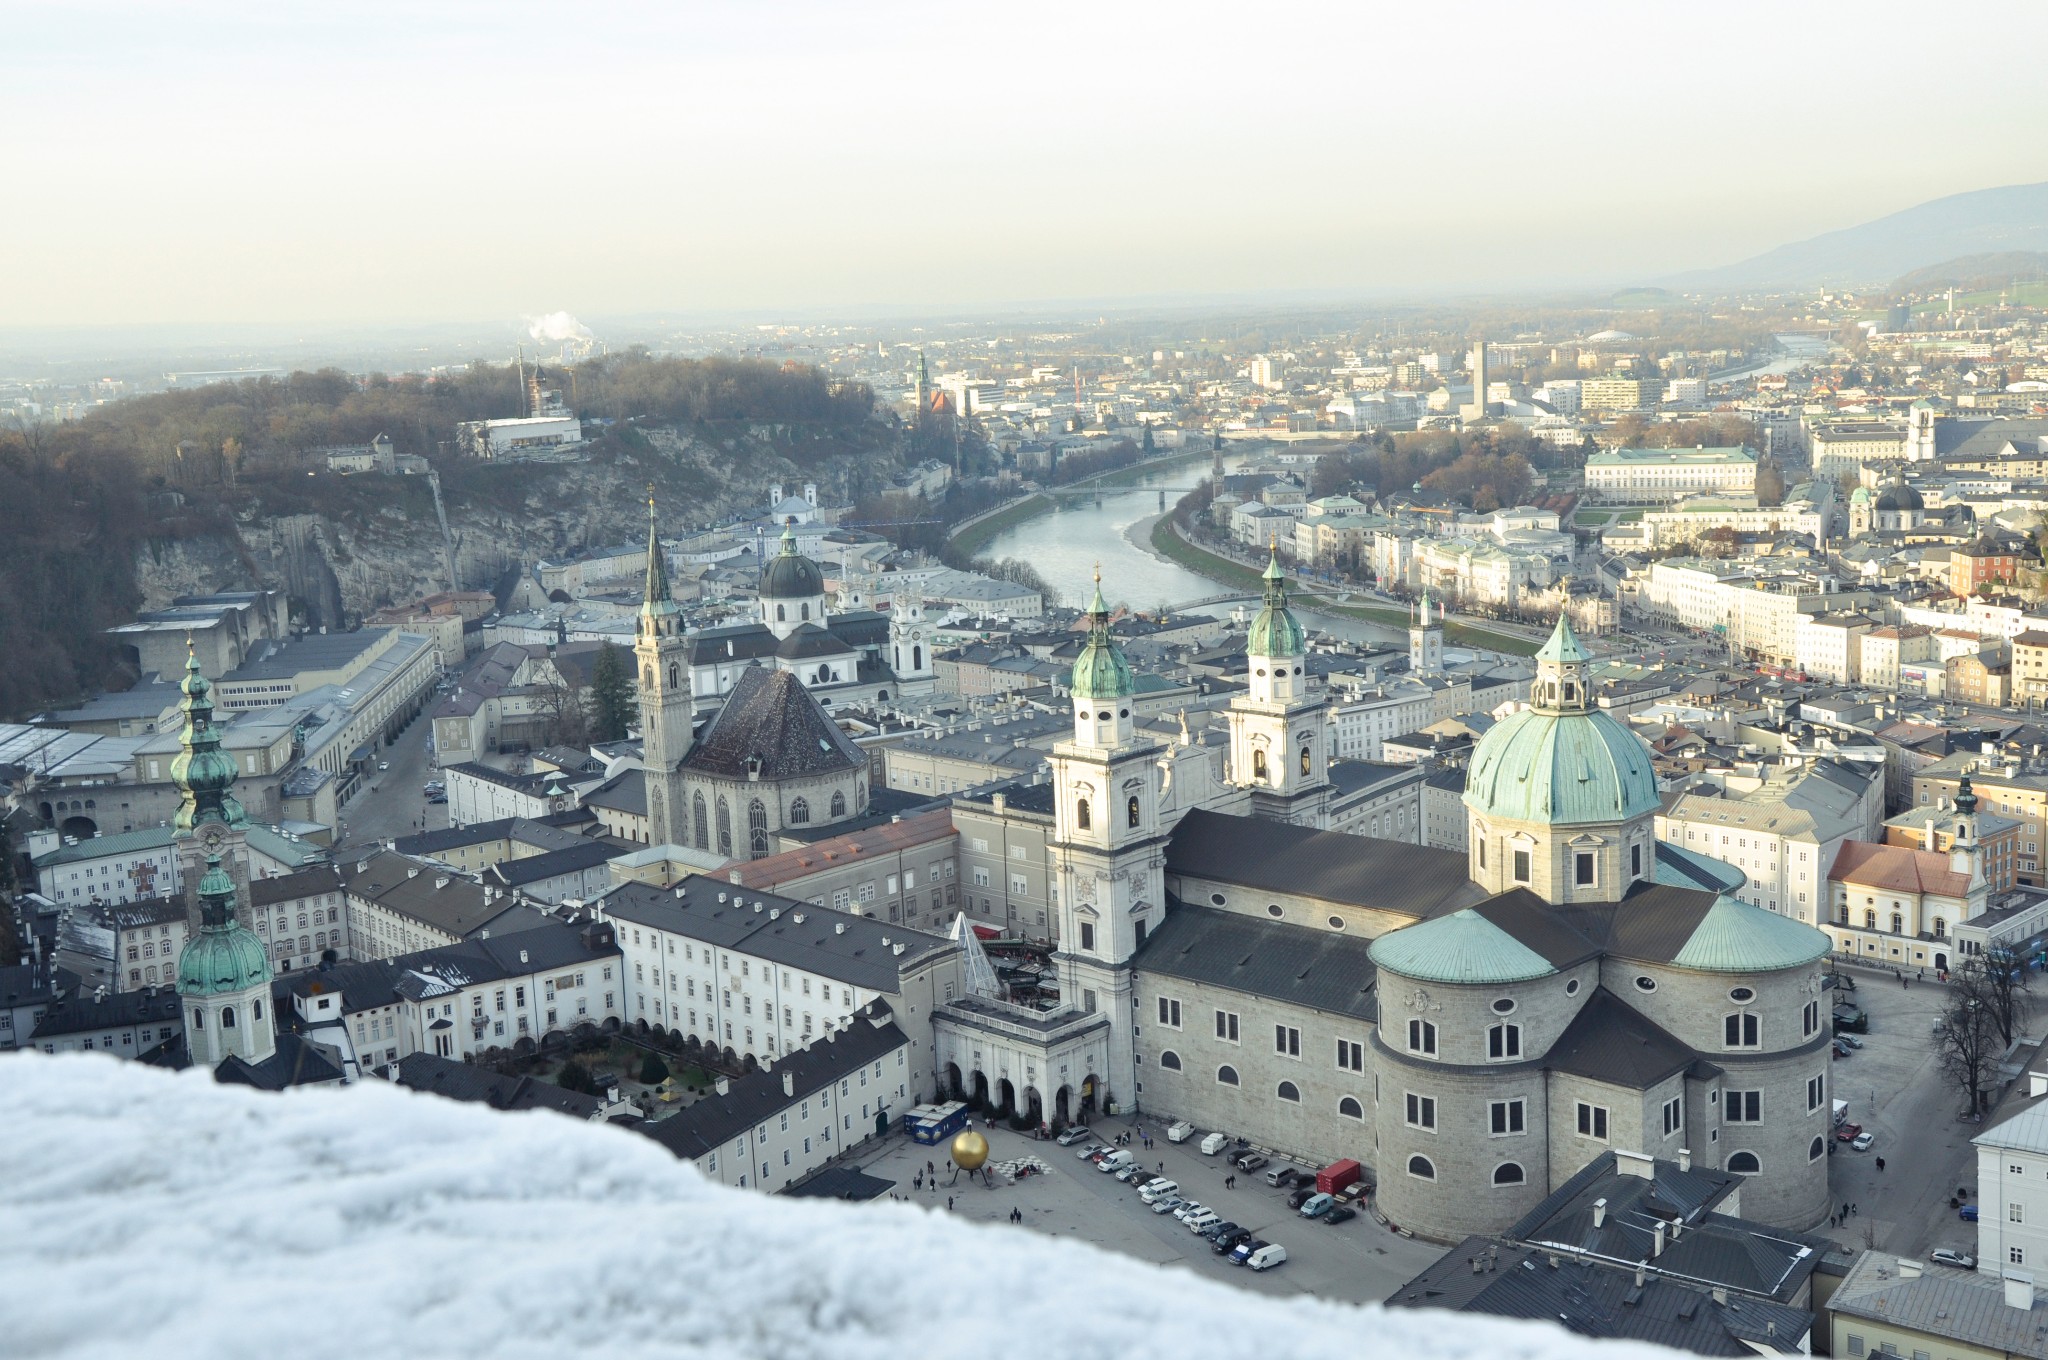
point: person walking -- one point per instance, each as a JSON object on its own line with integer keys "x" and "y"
{"x": 949, "y": 1204}
{"x": 1880, "y": 1166}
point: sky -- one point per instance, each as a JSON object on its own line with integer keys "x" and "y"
{"x": 371, "y": 1221}
{"x": 369, "y": 162}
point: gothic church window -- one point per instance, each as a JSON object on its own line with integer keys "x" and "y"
{"x": 838, "y": 804}
{"x": 799, "y": 812}
{"x": 757, "y": 828}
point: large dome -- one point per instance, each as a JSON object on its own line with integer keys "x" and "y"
{"x": 790, "y": 575}
{"x": 222, "y": 959}
{"x": 1562, "y": 761}
{"x": 1900, "y": 497}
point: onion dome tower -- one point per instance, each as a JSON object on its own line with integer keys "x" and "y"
{"x": 792, "y": 588}
{"x": 1279, "y": 736}
{"x": 1102, "y": 682}
{"x": 204, "y": 773}
{"x": 224, "y": 976}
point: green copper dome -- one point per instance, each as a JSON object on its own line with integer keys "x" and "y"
{"x": 1735, "y": 937}
{"x": 1562, "y": 761}
{"x": 1275, "y": 631}
{"x": 225, "y": 956}
{"x": 202, "y": 771}
{"x": 1101, "y": 671}
{"x": 1463, "y": 947}
{"x": 790, "y": 575}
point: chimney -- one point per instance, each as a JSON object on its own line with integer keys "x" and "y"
{"x": 722, "y": 1086}
{"x": 1928, "y": 844}
{"x": 412, "y": 871}
{"x": 1641, "y": 1275}
{"x": 1909, "y": 1269}
{"x": 789, "y": 1083}
{"x": 522, "y": 956}
{"x": 1636, "y": 1164}
{"x": 1685, "y": 1159}
{"x": 1599, "y": 1213}
{"x": 1657, "y": 1240}
{"x": 839, "y": 927}
{"x": 2019, "y": 1289}
{"x": 2037, "y": 1083}
{"x": 1721, "y": 1297}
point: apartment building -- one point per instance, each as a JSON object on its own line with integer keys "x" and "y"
{"x": 902, "y": 872}
{"x": 1375, "y": 798}
{"x": 2014, "y": 786}
{"x": 1881, "y": 651}
{"x": 1006, "y": 861}
{"x": 1642, "y": 476}
{"x": 1826, "y": 646}
{"x": 393, "y": 905}
{"x": 1781, "y": 828}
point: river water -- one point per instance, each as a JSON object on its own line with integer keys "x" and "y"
{"x": 1066, "y": 545}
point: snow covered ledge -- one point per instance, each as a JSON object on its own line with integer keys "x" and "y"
{"x": 147, "y": 1213}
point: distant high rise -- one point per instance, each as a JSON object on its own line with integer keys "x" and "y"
{"x": 1475, "y": 410}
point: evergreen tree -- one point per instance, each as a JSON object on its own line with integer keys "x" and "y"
{"x": 574, "y": 1076}
{"x": 653, "y": 1071}
{"x": 611, "y": 703}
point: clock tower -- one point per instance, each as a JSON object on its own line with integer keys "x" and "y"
{"x": 666, "y": 706}
{"x": 205, "y": 777}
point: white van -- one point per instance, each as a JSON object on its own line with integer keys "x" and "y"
{"x": 1115, "y": 1161}
{"x": 1266, "y": 1257}
{"x": 1158, "y": 1190}
{"x": 1179, "y": 1131}
{"x": 1215, "y": 1143}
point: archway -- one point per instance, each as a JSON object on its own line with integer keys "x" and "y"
{"x": 1940, "y": 962}
{"x": 1007, "y": 1103}
{"x": 1088, "y": 1091}
{"x": 1034, "y": 1106}
{"x": 1063, "y": 1105}
{"x": 954, "y": 1090}
{"x": 981, "y": 1088}
{"x": 84, "y": 828}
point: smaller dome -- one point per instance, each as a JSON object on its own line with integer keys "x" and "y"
{"x": 1860, "y": 496}
{"x": 222, "y": 959}
{"x": 1735, "y": 937}
{"x": 1275, "y": 631}
{"x": 1102, "y": 671}
{"x": 1900, "y": 497}
{"x": 1463, "y": 947}
{"x": 790, "y": 575}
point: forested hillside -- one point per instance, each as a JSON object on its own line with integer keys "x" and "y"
{"x": 222, "y": 486}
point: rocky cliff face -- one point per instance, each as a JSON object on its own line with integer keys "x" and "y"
{"x": 384, "y": 546}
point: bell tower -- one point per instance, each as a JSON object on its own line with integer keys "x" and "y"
{"x": 1279, "y": 737}
{"x": 910, "y": 641}
{"x": 1109, "y": 850}
{"x": 205, "y": 777}
{"x": 1426, "y": 641}
{"x": 662, "y": 655}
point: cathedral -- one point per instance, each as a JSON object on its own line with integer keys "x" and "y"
{"x": 1476, "y": 1027}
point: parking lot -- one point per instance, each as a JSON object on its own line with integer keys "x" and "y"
{"x": 1359, "y": 1261}
{"x": 1896, "y": 1090}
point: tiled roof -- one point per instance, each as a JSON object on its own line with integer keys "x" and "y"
{"x": 840, "y": 851}
{"x": 771, "y": 718}
{"x": 1362, "y": 871}
{"x": 1897, "y": 868}
{"x": 1610, "y": 1041}
{"x": 1320, "y": 969}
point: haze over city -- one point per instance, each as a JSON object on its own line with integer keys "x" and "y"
{"x": 392, "y": 163}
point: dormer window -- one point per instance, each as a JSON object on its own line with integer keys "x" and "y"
{"x": 1571, "y": 691}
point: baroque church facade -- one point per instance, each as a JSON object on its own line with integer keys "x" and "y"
{"x": 1476, "y": 1027}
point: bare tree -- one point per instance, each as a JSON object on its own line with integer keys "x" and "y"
{"x": 1968, "y": 1046}
{"x": 2004, "y": 990}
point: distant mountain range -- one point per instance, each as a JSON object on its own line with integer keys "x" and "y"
{"x": 1984, "y": 222}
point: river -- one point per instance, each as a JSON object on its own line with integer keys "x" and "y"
{"x": 1795, "y": 352}
{"x": 1066, "y": 545}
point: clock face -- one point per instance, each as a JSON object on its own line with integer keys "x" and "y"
{"x": 212, "y": 837}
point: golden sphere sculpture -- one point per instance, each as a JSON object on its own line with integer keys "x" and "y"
{"x": 969, "y": 1150}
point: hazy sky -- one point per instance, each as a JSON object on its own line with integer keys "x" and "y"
{"x": 303, "y": 162}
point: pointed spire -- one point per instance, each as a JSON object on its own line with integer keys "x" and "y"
{"x": 655, "y": 599}
{"x": 1098, "y": 608}
{"x": 1966, "y": 797}
{"x": 1563, "y": 647}
{"x": 202, "y": 772}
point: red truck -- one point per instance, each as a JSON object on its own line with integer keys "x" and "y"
{"x": 1338, "y": 1175}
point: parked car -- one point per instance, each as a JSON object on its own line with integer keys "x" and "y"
{"x": 1280, "y": 1177}
{"x": 1215, "y": 1143}
{"x": 1318, "y": 1204}
{"x": 1851, "y": 1040}
{"x": 1968, "y": 1213}
{"x": 1340, "y": 1213}
{"x": 1248, "y": 1161}
{"x": 1851, "y": 1018}
{"x": 1116, "y": 1161}
{"x": 1863, "y": 1141}
{"x": 1945, "y": 1256}
{"x": 1842, "y": 1050}
{"x": 1079, "y": 1133}
{"x": 1179, "y": 1131}
{"x": 1222, "y": 1244}
{"x": 383, "y": 765}
{"x": 1242, "y": 1252}
{"x": 1847, "y": 1133}
{"x": 1133, "y": 1174}
{"x": 1301, "y": 1196}
{"x": 1166, "y": 1204}
{"x": 1216, "y": 1232}
{"x": 1200, "y": 1222}
{"x": 1090, "y": 1150}
{"x": 1268, "y": 1256}
{"x": 1191, "y": 1207}
{"x": 1158, "y": 1190}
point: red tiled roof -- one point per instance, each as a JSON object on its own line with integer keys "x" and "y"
{"x": 764, "y": 874}
{"x": 1897, "y": 868}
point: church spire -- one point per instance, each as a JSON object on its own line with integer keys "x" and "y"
{"x": 1275, "y": 632}
{"x": 203, "y": 773}
{"x": 658, "y": 609}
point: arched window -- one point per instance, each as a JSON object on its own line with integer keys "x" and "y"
{"x": 757, "y": 828}
{"x": 1081, "y": 818}
{"x": 1504, "y": 1042}
{"x": 781, "y": 614}
{"x": 674, "y": 676}
{"x": 838, "y": 804}
{"x": 1131, "y": 811}
{"x": 227, "y": 1017}
{"x": 799, "y": 812}
{"x": 807, "y": 612}
{"x": 1421, "y": 1169}
{"x": 1898, "y": 923}
{"x": 1940, "y": 927}
{"x": 1258, "y": 764}
{"x": 1350, "y": 1108}
{"x": 1287, "y": 1090}
{"x": 199, "y": 1019}
{"x": 1508, "y": 1173}
{"x": 1869, "y": 919}
{"x": 917, "y": 658}
{"x": 697, "y": 815}
{"x": 1816, "y": 1149}
{"x": 1304, "y": 762}
{"x": 1744, "y": 1163}
{"x": 1741, "y": 1029}
{"x": 1227, "y": 1075}
{"x": 1169, "y": 1060}
{"x": 647, "y": 678}
{"x": 724, "y": 827}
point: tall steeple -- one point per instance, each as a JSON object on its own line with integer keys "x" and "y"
{"x": 224, "y": 979}
{"x": 1276, "y": 643}
{"x": 1279, "y": 739}
{"x": 1426, "y": 640}
{"x": 203, "y": 772}
{"x": 1102, "y": 682}
{"x": 659, "y": 613}
{"x": 666, "y": 703}
{"x": 924, "y": 389}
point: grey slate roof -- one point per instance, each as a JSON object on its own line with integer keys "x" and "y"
{"x": 1964, "y": 1307}
{"x": 1321, "y": 969}
{"x": 1361, "y": 871}
{"x": 80, "y": 1014}
{"x": 298, "y": 1061}
{"x": 512, "y": 873}
{"x": 755, "y": 1098}
{"x": 382, "y": 982}
{"x": 624, "y": 792}
{"x": 770, "y": 717}
{"x": 444, "y": 902}
{"x": 480, "y": 1085}
{"x": 834, "y": 944}
{"x": 150, "y": 911}
{"x": 1609, "y": 1041}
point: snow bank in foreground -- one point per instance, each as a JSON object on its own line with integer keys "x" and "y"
{"x": 150, "y": 1213}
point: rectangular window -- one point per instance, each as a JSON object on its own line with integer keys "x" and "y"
{"x": 1350, "y": 1055}
{"x": 1226, "y": 1026}
{"x": 2014, "y": 1214}
{"x": 1506, "y": 1117}
{"x": 1592, "y": 1121}
{"x": 1521, "y": 866}
{"x": 1504, "y": 1041}
{"x": 1421, "y": 1111}
{"x": 1582, "y": 868}
{"x": 1635, "y": 861}
{"x": 1855, "y": 1344}
{"x": 1287, "y": 1041}
{"x": 1741, "y": 1030}
{"x": 1169, "y": 1012}
{"x": 1816, "y": 1092}
{"x": 1743, "y": 1107}
{"x": 1421, "y": 1037}
{"x": 1088, "y": 936}
{"x": 1674, "y": 1115}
